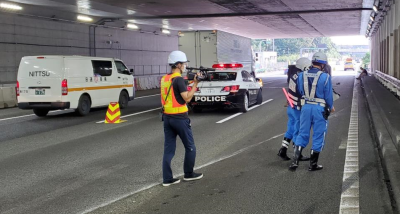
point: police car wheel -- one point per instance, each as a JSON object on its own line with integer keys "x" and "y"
{"x": 259, "y": 97}
{"x": 84, "y": 105}
{"x": 245, "y": 105}
{"x": 41, "y": 112}
{"x": 123, "y": 100}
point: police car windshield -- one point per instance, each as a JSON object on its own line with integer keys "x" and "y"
{"x": 222, "y": 76}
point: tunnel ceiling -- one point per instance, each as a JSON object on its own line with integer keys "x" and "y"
{"x": 284, "y": 25}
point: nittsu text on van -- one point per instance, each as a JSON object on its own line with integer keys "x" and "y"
{"x": 39, "y": 73}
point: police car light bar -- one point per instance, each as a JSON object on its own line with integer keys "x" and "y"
{"x": 227, "y": 65}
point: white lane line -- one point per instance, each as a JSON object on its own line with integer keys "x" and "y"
{"x": 237, "y": 114}
{"x": 178, "y": 175}
{"x": 349, "y": 201}
{"x": 137, "y": 113}
{"x": 147, "y": 96}
{"x": 28, "y": 115}
{"x": 228, "y": 118}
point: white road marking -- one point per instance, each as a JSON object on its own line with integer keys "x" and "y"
{"x": 349, "y": 201}
{"x": 28, "y": 115}
{"x": 228, "y": 118}
{"x": 177, "y": 175}
{"x": 147, "y": 96}
{"x": 137, "y": 113}
{"x": 237, "y": 114}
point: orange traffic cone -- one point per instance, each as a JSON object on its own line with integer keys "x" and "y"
{"x": 113, "y": 114}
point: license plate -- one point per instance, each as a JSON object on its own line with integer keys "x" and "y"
{"x": 40, "y": 91}
{"x": 210, "y": 99}
{"x": 208, "y": 90}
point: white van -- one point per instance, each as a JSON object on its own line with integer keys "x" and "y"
{"x": 72, "y": 82}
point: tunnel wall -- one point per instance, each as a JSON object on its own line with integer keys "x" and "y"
{"x": 385, "y": 44}
{"x": 22, "y": 36}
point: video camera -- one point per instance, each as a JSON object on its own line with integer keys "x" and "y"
{"x": 203, "y": 73}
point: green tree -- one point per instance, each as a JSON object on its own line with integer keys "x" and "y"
{"x": 366, "y": 59}
{"x": 291, "y": 47}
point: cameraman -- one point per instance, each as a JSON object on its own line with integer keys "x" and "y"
{"x": 174, "y": 96}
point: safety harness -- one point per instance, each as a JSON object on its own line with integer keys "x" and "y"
{"x": 309, "y": 97}
{"x": 292, "y": 91}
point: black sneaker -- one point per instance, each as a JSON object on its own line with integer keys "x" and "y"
{"x": 174, "y": 181}
{"x": 193, "y": 176}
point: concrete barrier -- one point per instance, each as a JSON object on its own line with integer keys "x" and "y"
{"x": 1, "y": 99}
{"x": 147, "y": 82}
{"x": 9, "y": 97}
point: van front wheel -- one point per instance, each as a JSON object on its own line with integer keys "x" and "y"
{"x": 41, "y": 112}
{"x": 83, "y": 105}
{"x": 123, "y": 100}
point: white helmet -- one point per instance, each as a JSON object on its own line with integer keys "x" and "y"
{"x": 320, "y": 58}
{"x": 177, "y": 56}
{"x": 303, "y": 64}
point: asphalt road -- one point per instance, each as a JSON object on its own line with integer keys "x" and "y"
{"x": 69, "y": 164}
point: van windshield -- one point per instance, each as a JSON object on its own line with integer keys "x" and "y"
{"x": 222, "y": 76}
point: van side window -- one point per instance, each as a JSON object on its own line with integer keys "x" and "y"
{"x": 102, "y": 68}
{"x": 121, "y": 68}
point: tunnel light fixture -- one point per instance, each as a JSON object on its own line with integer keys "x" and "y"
{"x": 10, "y": 6}
{"x": 165, "y": 31}
{"x": 372, "y": 18}
{"x": 132, "y": 26}
{"x": 375, "y": 8}
{"x": 165, "y": 26}
{"x": 84, "y": 18}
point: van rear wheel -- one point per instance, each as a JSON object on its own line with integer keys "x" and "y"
{"x": 41, "y": 112}
{"x": 84, "y": 105}
{"x": 123, "y": 100}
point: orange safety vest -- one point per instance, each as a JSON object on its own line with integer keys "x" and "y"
{"x": 171, "y": 105}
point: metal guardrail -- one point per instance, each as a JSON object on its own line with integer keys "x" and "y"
{"x": 146, "y": 70}
{"x": 391, "y": 83}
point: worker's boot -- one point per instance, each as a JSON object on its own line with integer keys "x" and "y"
{"x": 283, "y": 151}
{"x": 314, "y": 161}
{"x": 302, "y": 157}
{"x": 296, "y": 157}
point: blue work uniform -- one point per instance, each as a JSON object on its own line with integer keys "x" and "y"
{"x": 293, "y": 123}
{"x": 315, "y": 86}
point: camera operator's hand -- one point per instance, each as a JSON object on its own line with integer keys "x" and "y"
{"x": 195, "y": 80}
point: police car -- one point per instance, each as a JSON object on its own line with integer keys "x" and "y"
{"x": 228, "y": 86}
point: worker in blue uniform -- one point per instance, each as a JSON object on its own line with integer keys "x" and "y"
{"x": 315, "y": 86}
{"x": 293, "y": 124}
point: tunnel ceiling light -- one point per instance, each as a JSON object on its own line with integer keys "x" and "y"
{"x": 10, "y": 6}
{"x": 132, "y": 26}
{"x": 84, "y": 18}
{"x": 165, "y": 31}
{"x": 372, "y": 18}
{"x": 165, "y": 26}
{"x": 375, "y": 8}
